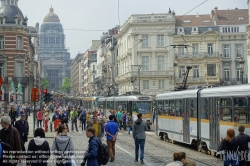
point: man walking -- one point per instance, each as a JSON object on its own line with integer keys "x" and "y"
{"x": 119, "y": 118}
{"x": 73, "y": 117}
{"x": 98, "y": 125}
{"x": 83, "y": 119}
{"x": 139, "y": 135}
{"x": 242, "y": 139}
{"x": 111, "y": 129}
{"x": 10, "y": 135}
{"x": 22, "y": 127}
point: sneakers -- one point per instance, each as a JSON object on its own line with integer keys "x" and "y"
{"x": 142, "y": 162}
{"x": 112, "y": 160}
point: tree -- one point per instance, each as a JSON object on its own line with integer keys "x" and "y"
{"x": 44, "y": 83}
{"x": 66, "y": 85}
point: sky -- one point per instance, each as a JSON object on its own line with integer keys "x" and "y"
{"x": 101, "y": 15}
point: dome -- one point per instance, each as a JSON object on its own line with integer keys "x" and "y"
{"x": 10, "y": 11}
{"x": 51, "y": 16}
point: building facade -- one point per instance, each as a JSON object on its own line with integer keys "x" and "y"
{"x": 17, "y": 52}
{"x": 75, "y": 79}
{"x": 52, "y": 52}
{"x": 145, "y": 63}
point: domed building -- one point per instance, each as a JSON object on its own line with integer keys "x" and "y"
{"x": 18, "y": 44}
{"x": 52, "y": 52}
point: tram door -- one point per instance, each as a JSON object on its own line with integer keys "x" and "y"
{"x": 186, "y": 120}
{"x": 214, "y": 123}
{"x": 129, "y": 108}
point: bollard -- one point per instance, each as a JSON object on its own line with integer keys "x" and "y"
{"x": 50, "y": 126}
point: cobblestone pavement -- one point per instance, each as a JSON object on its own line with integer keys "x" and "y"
{"x": 157, "y": 152}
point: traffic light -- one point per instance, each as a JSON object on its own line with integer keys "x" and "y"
{"x": 45, "y": 95}
{"x": 11, "y": 98}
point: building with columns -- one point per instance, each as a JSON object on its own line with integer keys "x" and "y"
{"x": 55, "y": 57}
{"x": 142, "y": 45}
{"x": 18, "y": 47}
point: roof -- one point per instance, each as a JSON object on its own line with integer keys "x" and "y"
{"x": 225, "y": 17}
{"x": 10, "y": 11}
{"x": 51, "y": 16}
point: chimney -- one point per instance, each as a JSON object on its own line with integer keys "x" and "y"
{"x": 216, "y": 13}
{"x": 236, "y": 8}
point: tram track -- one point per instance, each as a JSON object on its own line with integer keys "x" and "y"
{"x": 168, "y": 153}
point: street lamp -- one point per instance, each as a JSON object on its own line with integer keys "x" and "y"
{"x": 241, "y": 62}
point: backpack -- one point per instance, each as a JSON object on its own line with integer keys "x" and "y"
{"x": 62, "y": 159}
{"x": 103, "y": 156}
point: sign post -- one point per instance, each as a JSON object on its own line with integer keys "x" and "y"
{"x": 35, "y": 98}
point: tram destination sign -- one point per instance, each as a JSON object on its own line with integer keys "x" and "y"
{"x": 144, "y": 98}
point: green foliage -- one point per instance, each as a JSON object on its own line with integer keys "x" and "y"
{"x": 66, "y": 85}
{"x": 44, "y": 83}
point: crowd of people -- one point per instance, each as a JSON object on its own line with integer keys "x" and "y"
{"x": 14, "y": 135}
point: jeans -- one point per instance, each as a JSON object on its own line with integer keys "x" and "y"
{"x": 74, "y": 122}
{"x": 84, "y": 125}
{"x": 124, "y": 124}
{"x": 39, "y": 123}
{"x": 230, "y": 159}
{"x": 139, "y": 143}
{"x": 129, "y": 128}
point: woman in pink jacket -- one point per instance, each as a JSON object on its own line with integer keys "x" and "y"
{"x": 39, "y": 116}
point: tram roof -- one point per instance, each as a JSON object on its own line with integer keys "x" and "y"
{"x": 236, "y": 90}
{"x": 178, "y": 95}
{"x": 126, "y": 98}
{"x": 91, "y": 98}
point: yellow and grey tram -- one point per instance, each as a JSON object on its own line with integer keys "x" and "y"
{"x": 90, "y": 102}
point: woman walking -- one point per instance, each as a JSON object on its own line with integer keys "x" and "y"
{"x": 12, "y": 115}
{"x": 63, "y": 147}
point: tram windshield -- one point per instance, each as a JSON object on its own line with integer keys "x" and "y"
{"x": 143, "y": 107}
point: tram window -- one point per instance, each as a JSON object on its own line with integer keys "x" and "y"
{"x": 172, "y": 108}
{"x": 226, "y": 102}
{"x": 122, "y": 105}
{"x": 226, "y": 114}
{"x": 178, "y": 107}
{"x": 166, "y": 107}
{"x": 239, "y": 102}
{"x": 160, "y": 108}
{"x": 205, "y": 109}
{"x": 240, "y": 115}
{"x": 193, "y": 108}
{"x": 135, "y": 107}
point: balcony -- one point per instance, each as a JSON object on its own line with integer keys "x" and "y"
{"x": 197, "y": 55}
{"x": 22, "y": 80}
{"x": 190, "y": 79}
{"x": 233, "y": 81}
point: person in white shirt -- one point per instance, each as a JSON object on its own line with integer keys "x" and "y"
{"x": 180, "y": 159}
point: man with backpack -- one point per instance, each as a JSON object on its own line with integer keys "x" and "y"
{"x": 97, "y": 153}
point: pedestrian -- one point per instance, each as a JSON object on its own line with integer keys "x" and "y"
{"x": 229, "y": 149}
{"x": 65, "y": 118}
{"x": 129, "y": 122}
{"x": 73, "y": 117}
{"x": 38, "y": 149}
{"x": 39, "y": 116}
{"x": 93, "y": 150}
{"x": 119, "y": 118}
{"x": 12, "y": 115}
{"x": 139, "y": 127}
{"x": 180, "y": 159}
{"x": 10, "y": 135}
{"x": 28, "y": 108}
{"x": 98, "y": 125}
{"x": 124, "y": 117}
{"x": 63, "y": 147}
{"x": 242, "y": 140}
{"x": 22, "y": 127}
{"x": 154, "y": 116}
{"x": 111, "y": 129}
{"x": 88, "y": 118}
{"x": 46, "y": 120}
{"x": 83, "y": 119}
{"x": 56, "y": 119}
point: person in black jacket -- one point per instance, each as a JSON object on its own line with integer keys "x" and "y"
{"x": 38, "y": 144}
{"x": 242, "y": 140}
{"x": 22, "y": 126}
{"x": 65, "y": 118}
{"x": 229, "y": 149}
{"x": 12, "y": 115}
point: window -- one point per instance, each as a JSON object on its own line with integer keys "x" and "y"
{"x": 2, "y": 71}
{"x": 181, "y": 71}
{"x": 145, "y": 63}
{"x": 180, "y": 50}
{"x": 210, "y": 48}
{"x": 161, "y": 63}
{"x": 226, "y": 74}
{"x": 144, "y": 40}
{"x": 226, "y": 51}
{"x": 19, "y": 69}
{"x": 2, "y": 43}
{"x": 239, "y": 50}
{"x": 161, "y": 84}
{"x": 238, "y": 74}
{"x": 211, "y": 69}
{"x": 19, "y": 42}
{"x": 93, "y": 68}
{"x": 145, "y": 84}
{"x": 93, "y": 78}
{"x": 195, "y": 50}
{"x": 160, "y": 40}
{"x": 196, "y": 72}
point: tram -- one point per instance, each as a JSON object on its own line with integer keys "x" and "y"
{"x": 90, "y": 102}
{"x": 201, "y": 117}
{"x": 132, "y": 104}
